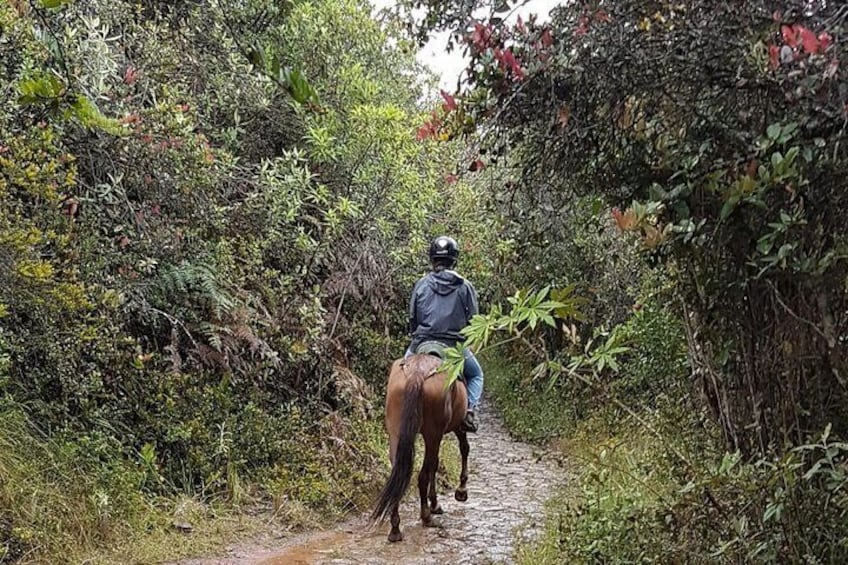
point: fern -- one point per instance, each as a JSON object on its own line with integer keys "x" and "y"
{"x": 197, "y": 282}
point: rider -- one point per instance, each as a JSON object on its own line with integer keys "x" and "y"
{"x": 441, "y": 305}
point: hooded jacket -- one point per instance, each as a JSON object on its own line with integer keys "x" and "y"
{"x": 442, "y": 304}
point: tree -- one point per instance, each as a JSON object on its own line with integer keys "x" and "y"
{"x": 716, "y": 129}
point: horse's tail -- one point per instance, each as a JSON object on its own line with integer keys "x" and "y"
{"x": 401, "y": 473}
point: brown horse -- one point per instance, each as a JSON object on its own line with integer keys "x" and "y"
{"x": 418, "y": 401}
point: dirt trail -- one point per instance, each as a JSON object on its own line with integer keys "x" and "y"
{"x": 507, "y": 486}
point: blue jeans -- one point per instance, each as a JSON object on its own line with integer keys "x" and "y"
{"x": 473, "y": 373}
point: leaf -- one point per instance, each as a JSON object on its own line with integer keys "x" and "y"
{"x": 773, "y": 131}
{"x": 728, "y": 207}
{"x": 450, "y": 102}
{"x": 825, "y": 40}
{"x": 765, "y": 244}
{"x": 774, "y": 56}
{"x": 299, "y": 88}
{"x": 809, "y": 41}
{"x": 626, "y": 221}
{"x": 789, "y": 36}
{"x": 53, "y": 4}
{"x": 546, "y": 38}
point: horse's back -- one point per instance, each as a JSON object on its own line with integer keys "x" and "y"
{"x": 442, "y": 407}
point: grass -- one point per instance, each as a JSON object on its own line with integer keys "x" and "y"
{"x": 529, "y": 413}
{"x": 83, "y": 501}
{"x": 619, "y": 504}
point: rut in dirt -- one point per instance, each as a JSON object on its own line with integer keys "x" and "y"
{"x": 508, "y": 484}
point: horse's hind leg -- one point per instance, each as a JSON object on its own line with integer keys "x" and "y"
{"x": 395, "y": 534}
{"x": 435, "y": 508}
{"x": 462, "y": 491}
{"x": 427, "y": 475}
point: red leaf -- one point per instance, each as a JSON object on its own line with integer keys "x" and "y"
{"x": 625, "y": 221}
{"x": 789, "y": 36}
{"x": 480, "y": 36}
{"x": 520, "y": 25}
{"x": 477, "y": 165}
{"x": 808, "y": 39}
{"x": 546, "y": 38}
{"x": 602, "y": 16}
{"x": 451, "y": 178}
{"x": 582, "y": 26}
{"x": 616, "y": 215}
{"x": 508, "y": 60}
{"x": 774, "y": 56}
{"x": 751, "y": 168}
{"x": 130, "y": 75}
{"x": 825, "y": 39}
{"x": 450, "y": 102}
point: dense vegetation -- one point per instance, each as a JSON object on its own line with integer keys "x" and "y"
{"x": 213, "y": 212}
{"x": 708, "y": 136}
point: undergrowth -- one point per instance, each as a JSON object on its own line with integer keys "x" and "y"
{"x": 84, "y": 499}
{"x": 656, "y": 485}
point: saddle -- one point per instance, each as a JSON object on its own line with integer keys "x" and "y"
{"x": 436, "y": 349}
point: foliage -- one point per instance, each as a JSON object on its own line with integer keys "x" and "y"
{"x": 651, "y": 483}
{"x": 632, "y": 503}
{"x": 728, "y": 156}
{"x": 213, "y": 211}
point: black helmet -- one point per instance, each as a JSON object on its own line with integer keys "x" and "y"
{"x": 444, "y": 249}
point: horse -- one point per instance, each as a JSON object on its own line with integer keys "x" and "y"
{"x": 417, "y": 401}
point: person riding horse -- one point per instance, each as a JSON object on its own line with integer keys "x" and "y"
{"x": 441, "y": 305}
{"x": 419, "y": 399}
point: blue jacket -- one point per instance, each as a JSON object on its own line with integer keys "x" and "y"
{"x": 441, "y": 305}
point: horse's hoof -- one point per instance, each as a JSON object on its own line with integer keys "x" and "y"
{"x": 395, "y": 536}
{"x": 461, "y": 495}
{"x": 437, "y": 510}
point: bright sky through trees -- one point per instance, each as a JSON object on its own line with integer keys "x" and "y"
{"x": 449, "y": 65}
